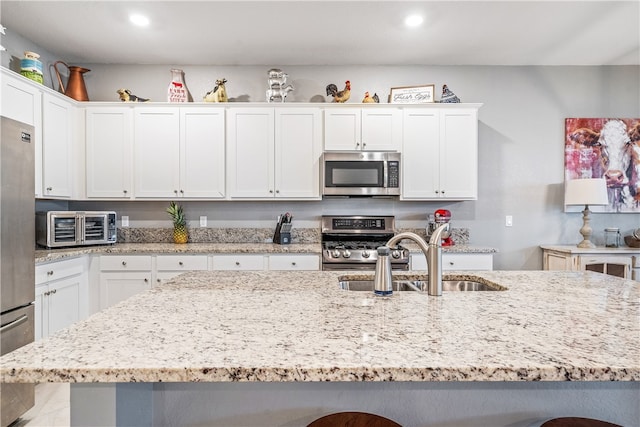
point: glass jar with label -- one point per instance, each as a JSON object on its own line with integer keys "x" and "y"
{"x": 612, "y": 237}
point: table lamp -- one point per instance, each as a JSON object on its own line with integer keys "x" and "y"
{"x": 588, "y": 191}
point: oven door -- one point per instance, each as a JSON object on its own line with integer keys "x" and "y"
{"x": 58, "y": 229}
{"x": 96, "y": 228}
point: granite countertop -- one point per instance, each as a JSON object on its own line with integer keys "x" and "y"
{"x": 214, "y": 326}
{"x": 44, "y": 255}
{"x": 573, "y": 249}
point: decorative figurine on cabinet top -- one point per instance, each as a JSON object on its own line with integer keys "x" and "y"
{"x": 219, "y": 92}
{"x": 127, "y": 96}
{"x": 448, "y": 96}
{"x": 277, "y": 91}
{"x": 370, "y": 99}
{"x": 342, "y": 95}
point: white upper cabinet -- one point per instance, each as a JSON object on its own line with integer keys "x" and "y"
{"x": 202, "y": 151}
{"x": 109, "y": 152}
{"x": 440, "y": 153}
{"x": 372, "y": 129}
{"x": 59, "y": 157}
{"x": 274, "y": 153}
{"x": 179, "y": 152}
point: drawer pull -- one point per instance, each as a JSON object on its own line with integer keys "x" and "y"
{"x": 451, "y": 262}
{"x": 180, "y": 263}
{"x": 237, "y": 262}
{"x": 293, "y": 263}
{"x": 14, "y": 323}
{"x": 124, "y": 263}
{"x": 50, "y": 273}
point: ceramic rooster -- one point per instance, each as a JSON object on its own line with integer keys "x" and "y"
{"x": 339, "y": 96}
{"x": 367, "y": 98}
{"x": 448, "y": 96}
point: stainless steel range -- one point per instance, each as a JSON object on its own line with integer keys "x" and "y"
{"x": 350, "y": 242}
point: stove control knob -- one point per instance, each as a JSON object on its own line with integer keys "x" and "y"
{"x": 336, "y": 253}
{"x": 395, "y": 254}
{"x": 346, "y": 253}
{"x": 366, "y": 254}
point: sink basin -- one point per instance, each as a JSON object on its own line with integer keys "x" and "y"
{"x": 419, "y": 285}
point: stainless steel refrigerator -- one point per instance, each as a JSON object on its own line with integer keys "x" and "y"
{"x": 17, "y": 256}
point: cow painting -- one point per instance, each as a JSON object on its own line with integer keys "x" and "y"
{"x": 609, "y": 149}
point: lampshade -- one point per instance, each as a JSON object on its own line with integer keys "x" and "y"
{"x": 588, "y": 191}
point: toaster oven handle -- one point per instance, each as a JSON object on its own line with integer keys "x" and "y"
{"x": 81, "y": 230}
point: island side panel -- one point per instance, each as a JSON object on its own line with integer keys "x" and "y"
{"x": 420, "y": 404}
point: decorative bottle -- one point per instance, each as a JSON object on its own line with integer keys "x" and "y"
{"x": 31, "y": 67}
{"x": 177, "y": 89}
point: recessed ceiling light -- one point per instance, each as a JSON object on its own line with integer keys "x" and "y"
{"x": 139, "y": 20}
{"x": 413, "y": 20}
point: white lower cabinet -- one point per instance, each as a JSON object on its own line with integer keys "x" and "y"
{"x": 239, "y": 262}
{"x": 122, "y": 276}
{"x": 61, "y": 295}
{"x": 294, "y": 262}
{"x": 169, "y": 266}
{"x": 623, "y": 262}
{"x": 456, "y": 261}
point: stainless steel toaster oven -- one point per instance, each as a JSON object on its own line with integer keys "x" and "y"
{"x": 73, "y": 228}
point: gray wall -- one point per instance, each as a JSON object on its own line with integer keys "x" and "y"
{"x": 521, "y": 141}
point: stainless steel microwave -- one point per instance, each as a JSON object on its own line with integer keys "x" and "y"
{"x": 72, "y": 228}
{"x": 360, "y": 173}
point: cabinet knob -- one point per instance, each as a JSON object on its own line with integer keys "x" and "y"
{"x": 357, "y": 145}
{"x": 270, "y": 191}
{"x": 277, "y": 191}
{"x": 158, "y": 280}
{"x": 47, "y": 293}
{"x": 50, "y": 273}
{"x": 451, "y": 262}
{"x": 124, "y": 263}
{"x": 175, "y": 191}
{"x": 437, "y": 192}
{"x": 180, "y": 263}
{"x": 442, "y": 191}
{"x": 54, "y": 291}
{"x": 146, "y": 280}
{"x": 364, "y": 144}
{"x": 181, "y": 191}
{"x": 237, "y": 262}
{"x": 293, "y": 263}
{"x": 49, "y": 188}
{"x": 125, "y": 191}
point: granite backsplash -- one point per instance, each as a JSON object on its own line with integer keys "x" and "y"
{"x": 248, "y": 235}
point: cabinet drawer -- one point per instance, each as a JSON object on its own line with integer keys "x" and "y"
{"x": 181, "y": 262}
{"x": 294, "y": 262}
{"x": 467, "y": 262}
{"x": 58, "y": 270}
{"x": 239, "y": 262}
{"x": 125, "y": 263}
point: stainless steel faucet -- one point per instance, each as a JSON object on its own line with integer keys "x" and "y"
{"x": 432, "y": 251}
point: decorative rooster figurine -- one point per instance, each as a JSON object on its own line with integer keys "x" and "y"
{"x": 448, "y": 96}
{"x": 339, "y": 96}
{"x": 370, "y": 99}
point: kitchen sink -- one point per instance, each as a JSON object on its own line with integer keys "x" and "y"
{"x": 421, "y": 285}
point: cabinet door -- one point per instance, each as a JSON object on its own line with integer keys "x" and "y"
{"x": 116, "y": 287}
{"x": 251, "y": 156}
{"x": 202, "y": 164}
{"x": 109, "y": 153}
{"x": 22, "y": 101}
{"x": 157, "y": 152}
{"x": 40, "y": 312}
{"x": 381, "y": 129}
{"x": 298, "y": 145}
{"x": 342, "y": 127}
{"x": 420, "y": 154}
{"x": 58, "y": 126}
{"x": 459, "y": 154}
{"x": 619, "y": 266}
{"x": 64, "y": 303}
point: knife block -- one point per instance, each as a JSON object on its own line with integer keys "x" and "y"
{"x": 282, "y": 236}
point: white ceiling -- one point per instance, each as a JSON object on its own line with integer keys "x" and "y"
{"x": 333, "y": 32}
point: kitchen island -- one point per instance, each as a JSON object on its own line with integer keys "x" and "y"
{"x": 284, "y": 348}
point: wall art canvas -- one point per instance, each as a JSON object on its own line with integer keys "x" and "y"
{"x": 606, "y": 148}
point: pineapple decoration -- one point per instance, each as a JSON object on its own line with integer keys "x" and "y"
{"x": 180, "y": 234}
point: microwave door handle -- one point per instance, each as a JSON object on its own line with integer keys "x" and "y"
{"x": 385, "y": 171}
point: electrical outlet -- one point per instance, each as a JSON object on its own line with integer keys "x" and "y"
{"x": 203, "y": 221}
{"x": 125, "y": 220}
{"x": 508, "y": 221}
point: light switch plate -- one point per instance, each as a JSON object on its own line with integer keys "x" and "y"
{"x": 203, "y": 221}
{"x": 125, "y": 221}
{"x": 508, "y": 221}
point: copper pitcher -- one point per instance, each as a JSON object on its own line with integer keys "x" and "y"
{"x": 75, "y": 85}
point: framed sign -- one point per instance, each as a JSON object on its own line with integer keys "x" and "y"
{"x": 412, "y": 94}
